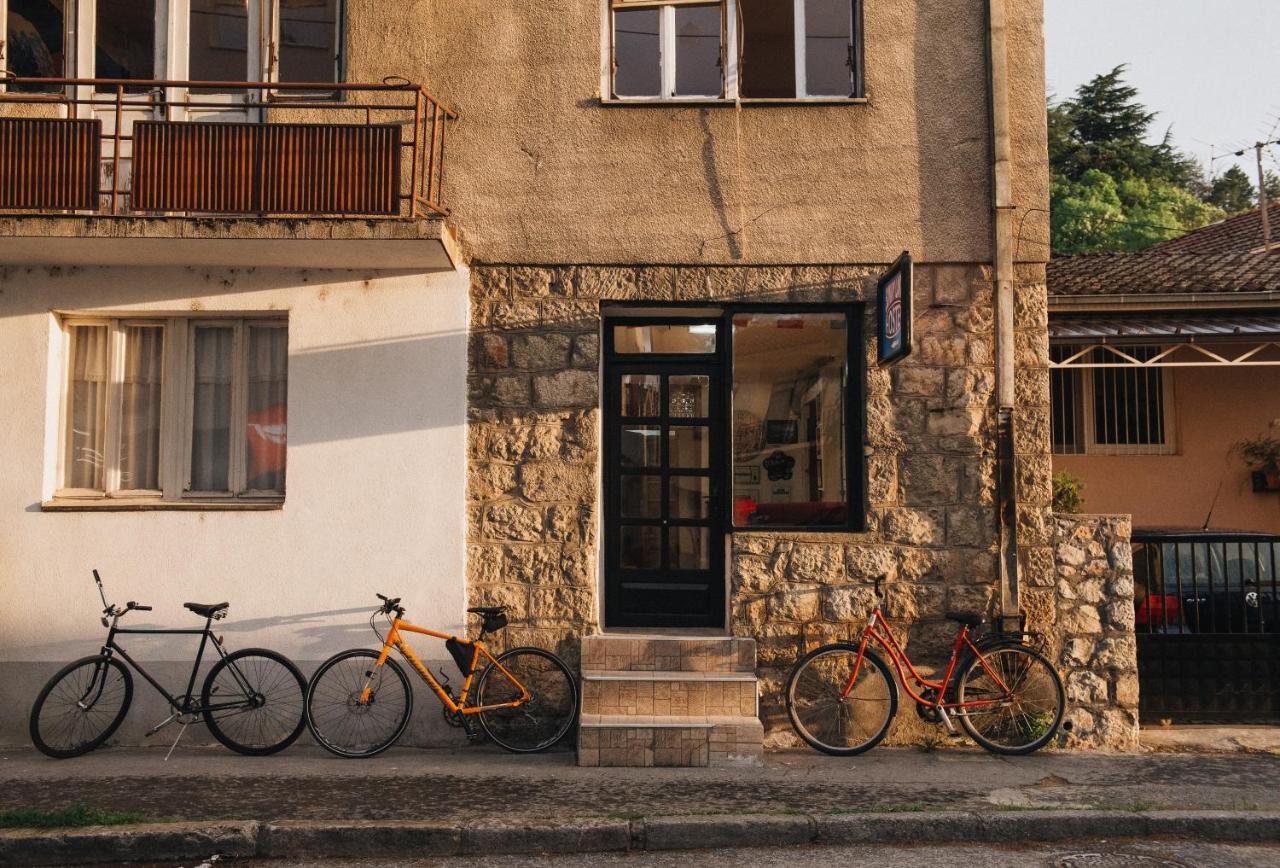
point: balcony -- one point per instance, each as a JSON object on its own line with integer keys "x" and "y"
{"x": 120, "y": 169}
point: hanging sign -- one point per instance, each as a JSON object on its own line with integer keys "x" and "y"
{"x": 893, "y": 311}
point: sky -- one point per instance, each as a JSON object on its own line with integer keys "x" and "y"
{"x": 1211, "y": 68}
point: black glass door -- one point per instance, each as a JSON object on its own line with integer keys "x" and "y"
{"x": 664, "y": 513}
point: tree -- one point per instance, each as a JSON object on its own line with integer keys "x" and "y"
{"x": 1233, "y": 192}
{"x": 1273, "y": 186}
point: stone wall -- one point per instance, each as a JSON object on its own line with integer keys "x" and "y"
{"x": 534, "y": 459}
{"x": 1091, "y": 636}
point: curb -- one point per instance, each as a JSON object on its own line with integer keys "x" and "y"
{"x": 185, "y": 841}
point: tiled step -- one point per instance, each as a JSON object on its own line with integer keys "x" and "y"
{"x": 678, "y": 693}
{"x": 630, "y": 652}
{"x": 638, "y": 741}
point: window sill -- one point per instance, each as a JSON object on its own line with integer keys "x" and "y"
{"x": 111, "y": 504}
{"x": 719, "y": 102}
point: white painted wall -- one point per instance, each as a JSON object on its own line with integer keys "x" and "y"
{"x": 376, "y": 465}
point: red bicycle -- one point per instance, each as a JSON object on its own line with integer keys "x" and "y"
{"x": 1007, "y": 696}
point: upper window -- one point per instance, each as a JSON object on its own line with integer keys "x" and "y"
{"x": 1116, "y": 409}
{"x": 33, "y": 44}
{"x": 175, "y": 409}
{"x": 753, "y": 49}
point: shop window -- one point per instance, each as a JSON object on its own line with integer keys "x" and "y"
{"x": 33, "y": 44}
{"x": 175, "y": 408}
{"x": 789, "y": 415}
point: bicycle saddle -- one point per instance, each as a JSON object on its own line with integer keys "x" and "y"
{"x": 967, "y": 618}
{"x": 488, "y": 610}
{"x": 206, "y": 610}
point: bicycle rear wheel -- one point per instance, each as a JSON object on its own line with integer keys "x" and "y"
{"x": 828, "y": 718}
{"x": 253, "y": 701}
{"x": 345, "y": 724}
{"x": 549, "y": 712}
{"x": 81, "y": 706}
{"x": 1026, "y": 717}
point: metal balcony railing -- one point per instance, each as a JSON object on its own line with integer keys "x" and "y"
{"x": 204, "y": 148}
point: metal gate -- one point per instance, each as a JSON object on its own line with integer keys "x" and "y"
{"x": 1207, "y": 615}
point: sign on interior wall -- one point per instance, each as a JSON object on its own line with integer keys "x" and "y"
{"x": 893, "y": 311}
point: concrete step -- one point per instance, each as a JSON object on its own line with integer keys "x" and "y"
{"x": 615, "y": 652}
{"x": 641, "y": 741}
{"x": 679, "y": 693}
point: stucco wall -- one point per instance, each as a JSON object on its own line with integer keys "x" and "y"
{"x": 1213, "y": 409}
{"x": 375, "y": 475}
{"x": 539, "y": 171}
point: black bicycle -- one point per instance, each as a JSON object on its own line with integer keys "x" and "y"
{"x": 252, "y": 700}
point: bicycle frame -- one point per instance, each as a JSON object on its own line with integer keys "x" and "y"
{"x": 884, "y": 638}
{"x": 395, "y": 640}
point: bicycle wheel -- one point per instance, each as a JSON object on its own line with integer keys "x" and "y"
{"x": 344, "y": 725}
{"x": 550, "y": 711}
{"x": 81, "y": 706}
{"x": 828, "y": 718}
{"x": 253, "y": 701}
{"x": 1028, "y": 718}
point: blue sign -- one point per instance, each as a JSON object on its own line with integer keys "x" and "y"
{"x": 893, "y": 311}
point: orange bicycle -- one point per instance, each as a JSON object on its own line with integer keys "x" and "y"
{"x": 1007, "y": 696}
{"x": 359, "y": 701}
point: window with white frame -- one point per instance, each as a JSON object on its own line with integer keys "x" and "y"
{"x": 175, "y": 408}
{"x": 1113, "y": 410}
{"x": 748, "y": 49}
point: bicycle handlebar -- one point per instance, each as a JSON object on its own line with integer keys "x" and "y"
{"x": 389, "y": 605}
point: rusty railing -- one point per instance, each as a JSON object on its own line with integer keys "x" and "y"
{"x": 163, "y": 147}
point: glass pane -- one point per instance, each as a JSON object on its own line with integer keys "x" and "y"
{"x": 690, "y": 446}
{"x": 87, "y": 408}
{"x": 689, "y": 548}
{"x": 789, "y": 375}
{"x": 688, "y": 396}
{"x": 690, "y": 496}
{"x": 768, "y": 49}
{"x": 828, "y": 29}
{"x": 211, "y": 410}
{"x": 308, "y": 40}
{"x": 637, "y": 69}
{"x": 266, "y": 429}
{"x": 125, "y": 45}
{"x": 641, "y": 446}
{"x": 691, "y": 338}
{"x": 36, "y": 48}
{"x": 219, "y": 40}
{"x": 140, "y": 408}
{"x": 641, "y": 548}
{"x": 641, "y": 395}
{"x": 698, "y": 51}
{"x": 641, "y": 497}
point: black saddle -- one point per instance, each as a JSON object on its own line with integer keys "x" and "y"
{"x": 488, "y": 610}
{"x": 967, "y": 618}
{"x": 494, "y": 618}
{"x": 206, "y": 610}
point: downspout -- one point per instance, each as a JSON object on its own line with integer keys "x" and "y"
{"x": 1003, "y": 279}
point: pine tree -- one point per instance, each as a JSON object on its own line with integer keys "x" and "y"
{"x": 1233, "y": 192}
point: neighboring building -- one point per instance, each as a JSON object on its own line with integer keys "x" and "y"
{"x": 1163, "y": 362}
{"x": 600, "y": 348}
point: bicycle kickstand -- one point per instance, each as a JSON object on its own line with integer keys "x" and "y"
{"x": 181, "y": 732}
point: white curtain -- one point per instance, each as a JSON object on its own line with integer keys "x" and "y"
{"x": 87, "y": 416}
{"x": 140, "y": 408}
{"x": 211, "y": 409}
{"x": 266, "y": 428}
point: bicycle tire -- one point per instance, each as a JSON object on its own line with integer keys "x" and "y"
{"x": 44, "y": 740}
{"x": 963, "y": 686}
{"x": 559, "y": 696}
{"x": 840, "y": 671}
{"x": 273, "y": 685}
{"x": 321, "y": 692}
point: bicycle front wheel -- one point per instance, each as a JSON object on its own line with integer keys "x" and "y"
{"x": 1018, "y": 700}
{"x": 550, "y": 711}
{"x": 834, "y": 716}
{"x": 81, "y": 706}
{"x": 253, "y": 701}
{"x": 347, "y": 721}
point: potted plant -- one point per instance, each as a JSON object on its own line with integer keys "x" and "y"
{"x": 1262, "y": 455}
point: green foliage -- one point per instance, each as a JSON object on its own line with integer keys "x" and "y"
{"x": 1110, "y": 189}
{"x": 1233, "y": 192}
{"x": 78, "y": 815}
{"x": 1260, "y": 453}
{"x": 1068, "y": 493}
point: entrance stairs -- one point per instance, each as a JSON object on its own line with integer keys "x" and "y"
{"x": 659, "y": 700}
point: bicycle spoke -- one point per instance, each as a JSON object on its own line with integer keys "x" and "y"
{"x": 81, "y": 707}
{"x": 541, "y": 720}
{"x": 830, "y": 718}
{"x": 344, "y": 724}
{"x": 1023, "y": 695}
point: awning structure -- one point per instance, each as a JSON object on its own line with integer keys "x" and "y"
{"x": 1149, "y": 340}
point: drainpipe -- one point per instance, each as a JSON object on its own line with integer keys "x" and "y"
{"x": 1003, "y": 277}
